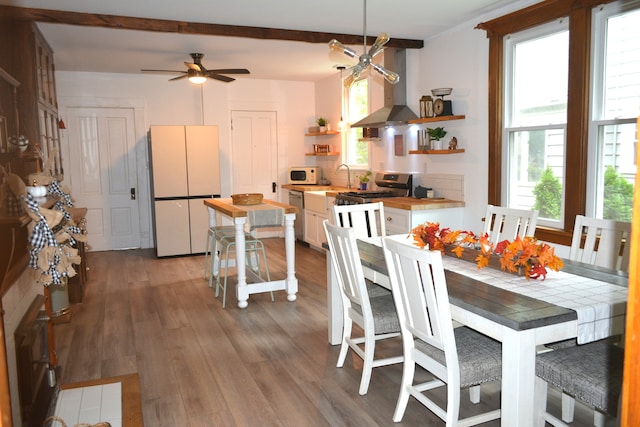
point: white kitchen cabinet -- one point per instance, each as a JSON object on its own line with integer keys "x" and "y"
{"x": 315, "y": 212}
{"x": 400, "y": 221}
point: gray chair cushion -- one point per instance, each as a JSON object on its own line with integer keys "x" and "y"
{"x": 385, "y": 316}
{"x": 376, "y": 290}
{"x": 590, "y": 372}
{"x": 479, "y": 357}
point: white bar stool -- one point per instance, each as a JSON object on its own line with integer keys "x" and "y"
{"x": 223, "y": 243}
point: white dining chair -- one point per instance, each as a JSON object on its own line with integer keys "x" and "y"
{"x": 589, "y": 372}
{"x": 367, "y": 219}
{"x": 376, "y": 315}
{"x": 502, "y": 223}
{"x": 456, "y": 357}
{"x": 600, "y": 242}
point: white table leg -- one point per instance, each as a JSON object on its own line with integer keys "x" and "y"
{"x": 241, "y": 266}
{"x": 518, "y": 377}
{"x": 291, "y": 282}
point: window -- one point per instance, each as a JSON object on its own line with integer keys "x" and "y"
{"x": 616, "y": 100}
{"x": 564, "y": 98}
{"x": 536, "y": 68}
{"x": 356, "y": 151}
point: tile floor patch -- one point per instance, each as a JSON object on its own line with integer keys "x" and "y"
{"x": 91, "y": 405}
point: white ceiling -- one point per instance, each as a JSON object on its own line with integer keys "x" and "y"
{"x": 79, "y": 48}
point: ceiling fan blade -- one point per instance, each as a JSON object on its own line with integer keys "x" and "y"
{"x": 220, "y": 77}
{"x": 193, "y": 66}
{"x": 230, "y": 71}
{"x": 163, "y": 71}
{"x": 390, "y": 76}
{"x": 178, "y": 78}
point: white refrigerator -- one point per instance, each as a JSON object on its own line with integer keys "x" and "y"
{"x": 185, "y": 170}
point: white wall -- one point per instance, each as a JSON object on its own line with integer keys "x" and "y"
{"x": 179, "y": 103}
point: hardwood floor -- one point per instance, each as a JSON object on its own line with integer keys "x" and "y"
{"x": 200, "y": 365}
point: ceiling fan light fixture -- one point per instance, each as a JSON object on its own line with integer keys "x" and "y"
{"x": 197, "y": 77}
{"x": 198, "y": 80}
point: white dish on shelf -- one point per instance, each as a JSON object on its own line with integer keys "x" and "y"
{"x": 442, "y": 91}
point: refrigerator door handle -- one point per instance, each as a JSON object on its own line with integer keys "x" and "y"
{"x": 133, "y": 193}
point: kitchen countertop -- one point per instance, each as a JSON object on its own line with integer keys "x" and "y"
{"x": 405, "y": 203}
{"x": 413, "y": 204}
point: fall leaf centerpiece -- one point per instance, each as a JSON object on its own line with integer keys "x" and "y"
{"x": 522, "y": 255}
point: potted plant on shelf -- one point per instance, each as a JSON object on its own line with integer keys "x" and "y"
{"x": 436, "y": 134}
{"x": 364, "y": 180}
{"x": 322, "y": 122}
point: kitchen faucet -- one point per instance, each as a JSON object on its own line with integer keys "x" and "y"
{"x": 348, "y": 173}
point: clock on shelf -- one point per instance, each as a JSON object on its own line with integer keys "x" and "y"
{"x": 438, "y": 107}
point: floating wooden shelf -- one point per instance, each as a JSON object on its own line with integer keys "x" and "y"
{"x": 329, "y": 132}
{"x": 435, "y": 119}
{"x": 456, "y": 151}
{"x": 332, "y": 153}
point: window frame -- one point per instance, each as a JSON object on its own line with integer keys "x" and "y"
{"x": 578, "y": 101}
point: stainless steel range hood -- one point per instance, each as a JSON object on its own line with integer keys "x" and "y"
{"x": 395, "y": 111}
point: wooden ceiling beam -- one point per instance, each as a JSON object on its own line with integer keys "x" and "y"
{"x": 195, "y": 28}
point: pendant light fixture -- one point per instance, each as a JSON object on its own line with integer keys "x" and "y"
{"x": 341, "y": 123}
{"x": 365, "y": 60}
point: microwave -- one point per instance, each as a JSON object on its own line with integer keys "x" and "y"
{"x": 303, "y": 175}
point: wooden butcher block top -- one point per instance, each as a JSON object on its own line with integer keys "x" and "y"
{"x": 413, "y": 204}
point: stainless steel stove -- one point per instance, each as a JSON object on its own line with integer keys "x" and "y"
{"x": 390, "y": 184}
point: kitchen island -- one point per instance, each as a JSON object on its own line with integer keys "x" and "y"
{"x": 239, "y": 215}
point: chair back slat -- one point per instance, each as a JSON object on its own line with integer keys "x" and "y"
{"x": 601, "y": 242}
{"x": 506, "y": 223}
{"x": 367, "y": 219}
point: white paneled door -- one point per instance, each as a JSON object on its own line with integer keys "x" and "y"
{"x": 254, "y": 152}
{"x": 103, "y": 176}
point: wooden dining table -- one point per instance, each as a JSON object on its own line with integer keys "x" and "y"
{"x": 520, "y": 322}
{"x": 239, "y": 215}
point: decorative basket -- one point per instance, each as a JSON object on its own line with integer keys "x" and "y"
{"x": 247, "y": 199}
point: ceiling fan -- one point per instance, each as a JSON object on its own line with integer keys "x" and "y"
{"x": 365, "y": 60}
{"x": 198, "y": 74}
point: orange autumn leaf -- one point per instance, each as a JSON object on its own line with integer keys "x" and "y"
{"x": 458, "y": 251}
{"x": 482, "y": 260}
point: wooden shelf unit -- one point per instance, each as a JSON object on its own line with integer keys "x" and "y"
{"x": 329, "y": 132}
{"x": 456, "y": 151}
{"x": 332, "y": 153}
{"x": 434, "y": 119}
